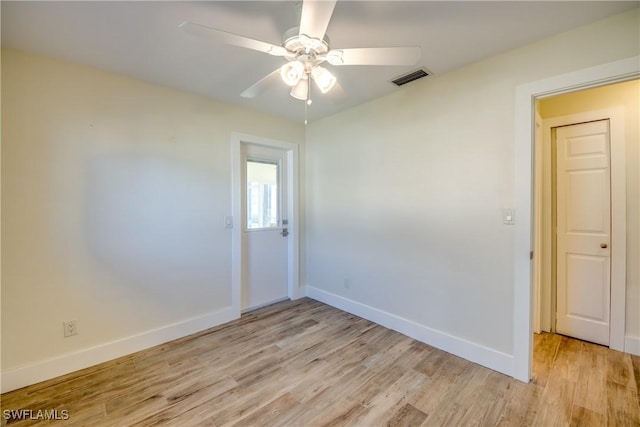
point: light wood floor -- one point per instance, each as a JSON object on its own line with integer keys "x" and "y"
{"x": 303, "y": 363}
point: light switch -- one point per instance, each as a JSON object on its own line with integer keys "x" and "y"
{"x": 228, "y": 222}
{"x": 509, "y": 216}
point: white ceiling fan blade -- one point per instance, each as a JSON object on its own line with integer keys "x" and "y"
{"x": 315, "y": 17}
{"x": 374, "y": 56}
{"x": 263, "y": 84}
{"x": 219, "y": 36}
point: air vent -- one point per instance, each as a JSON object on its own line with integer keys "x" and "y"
{"x": 408, "y": 78}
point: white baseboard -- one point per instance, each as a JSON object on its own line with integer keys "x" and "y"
{"x": 476, "y": 353}
{"x": 51, "y": 368}
{"x": 264, "y": 304}
{"x": 632, "y": 345}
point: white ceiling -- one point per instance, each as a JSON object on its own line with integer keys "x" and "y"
{"x": 142, "y": 40}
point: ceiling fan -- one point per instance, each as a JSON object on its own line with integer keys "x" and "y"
{"x": 305, "y": 48}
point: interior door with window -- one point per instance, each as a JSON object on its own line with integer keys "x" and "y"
{"x": 265, "y": 261}
{"x": 583, "y": 231}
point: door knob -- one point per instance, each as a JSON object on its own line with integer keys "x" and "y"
{"x": 603, "y": 245}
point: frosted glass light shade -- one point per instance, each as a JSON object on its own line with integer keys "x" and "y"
{"x": 323, "y": 78}
{"x": 301, "y": 90}
{"x": 292, "y": 72}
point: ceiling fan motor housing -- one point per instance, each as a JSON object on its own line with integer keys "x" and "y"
{"x": 304, "y": 48}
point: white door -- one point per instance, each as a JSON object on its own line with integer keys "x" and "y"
{"x": 264, "y": 224}
{"x": 583, "y": 231}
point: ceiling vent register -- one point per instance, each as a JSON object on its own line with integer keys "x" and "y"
{"x": 408, "y": 78}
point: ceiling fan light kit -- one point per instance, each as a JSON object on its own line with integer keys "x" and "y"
{"x": 305, "y": 48}
{"x": 305, "y": 53}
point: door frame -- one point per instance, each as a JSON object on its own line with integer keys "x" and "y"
{"x": 618, "y": 258}
{"x": 525, "y": 97}
{"x": 237, "y": 245}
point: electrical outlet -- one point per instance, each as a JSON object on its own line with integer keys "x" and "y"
{"x": 347, "y": 283}
{"x": 70, "y": 328}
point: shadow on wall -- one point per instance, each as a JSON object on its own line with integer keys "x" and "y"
{"x": 149, "y": 222}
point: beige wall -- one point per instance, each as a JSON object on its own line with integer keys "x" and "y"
{"x": 405, "y": 193}
{"x": 114, "y": 193}
{"x": 626, "y": 95}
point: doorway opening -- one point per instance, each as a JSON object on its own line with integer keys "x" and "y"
{"x": 265, "y": 236}
{"x": 525, "y": 230}
{"x": 585, "y": 143}
{"x": 580, "y": 212}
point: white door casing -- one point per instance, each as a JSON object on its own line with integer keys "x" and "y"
{"x": 240, "y": 249}
{"x": 537, "y": 241}
{"x": 583, "y": 231}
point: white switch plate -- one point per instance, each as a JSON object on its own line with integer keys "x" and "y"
{"x": 228, "y": 222}
{"x": 509, "y": 216}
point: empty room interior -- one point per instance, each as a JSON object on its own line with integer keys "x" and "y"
{"x": 303, "y": 213}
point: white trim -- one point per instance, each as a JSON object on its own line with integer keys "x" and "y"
{"x": 476, "y": 353}
{"x": 40, "y": 371}
{"x": 632, "y": 345}
{"x": 544, "y": 231}
{"x": 293, "y": 155}
{"x": 618, "y": 210}
{"x": 622, "y": 70}
{"x": 263, "y": 305}
{"x": 538, "y": 244}
{"x": 236, "y": 232}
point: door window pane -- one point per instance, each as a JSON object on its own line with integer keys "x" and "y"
{"x": 262, "y": 195}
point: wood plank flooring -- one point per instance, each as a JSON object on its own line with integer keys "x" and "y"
{"x": 303, "y": 363}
